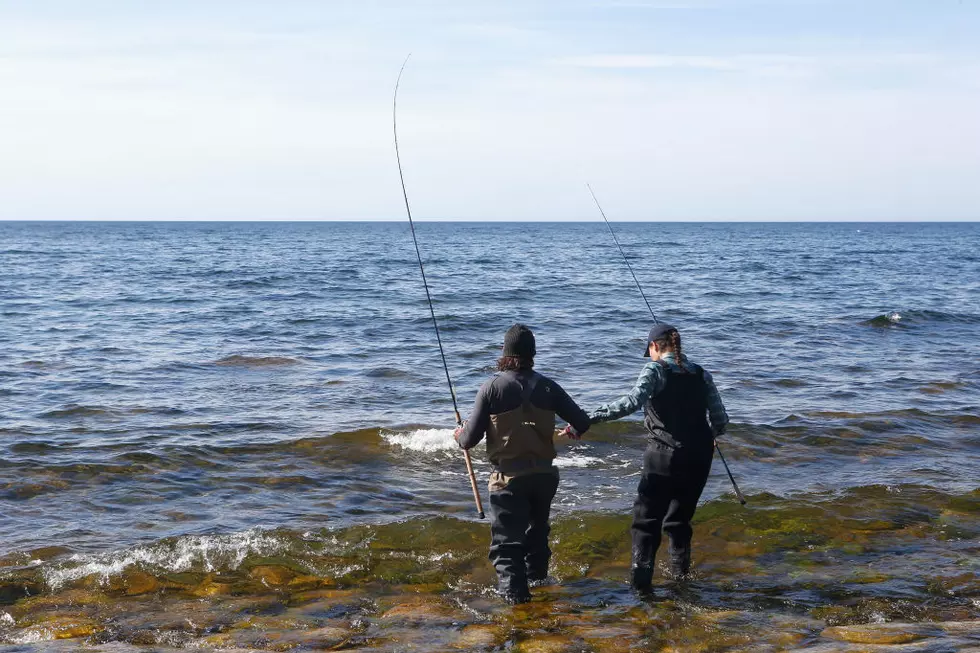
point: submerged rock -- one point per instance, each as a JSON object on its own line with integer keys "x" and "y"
{"x": 326, "y": 637}
{"x": 209, "y": 587}
{"x": 881, "y": 633}
{"x": 547, "y": 644}
{"x": 481, "y": 636}
{"x": 611, "y": 638}
{"x": 424, "y": 611}
{"x": 967, "y": 628}
{"x": 133, "y": 583}
{"x": 58, "y": 627}
{"x": 271, "y": 575}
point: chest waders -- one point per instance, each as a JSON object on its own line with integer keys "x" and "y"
{"x": 521, "y": 441}
{"x": 675, "y": 468}
{"x": 520, "y": 446}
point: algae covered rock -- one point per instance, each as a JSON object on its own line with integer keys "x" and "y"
{"x": 881, "y": 633}
{"x": 59, "y": 627}
{"x": 611, "y": 638}
{"x": 272, "y": 575}
{"x": 424, "y": 611}
{"x": 328, "y": 637}
{"x": 480, "y": 636}
{"x": 210, "y": 587}
{"x": 547, "y": 644}
{"x": 133, "y": 583}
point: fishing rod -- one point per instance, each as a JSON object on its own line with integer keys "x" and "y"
{"x": 738, "y": 493}
{"x": 616, "y": 240}
{"x": 428, "y": 297}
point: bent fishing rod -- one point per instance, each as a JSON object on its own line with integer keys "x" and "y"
{"x": 428, "y": 296}
{"x": 738, "y": 493}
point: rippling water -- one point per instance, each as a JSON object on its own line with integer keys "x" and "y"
{"x": 191, "y": 398}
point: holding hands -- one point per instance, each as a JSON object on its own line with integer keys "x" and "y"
{"x": 570, "y": 433}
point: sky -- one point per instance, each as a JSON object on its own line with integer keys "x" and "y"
{"x": 671, "y": 109}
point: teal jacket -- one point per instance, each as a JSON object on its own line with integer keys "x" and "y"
{"x": 650, "y": 383}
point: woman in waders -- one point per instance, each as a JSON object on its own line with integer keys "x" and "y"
{"x": 683, "y": 416}
{"x": 516, "y": 411}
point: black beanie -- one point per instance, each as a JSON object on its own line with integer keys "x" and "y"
{"x": 519, "y": 341}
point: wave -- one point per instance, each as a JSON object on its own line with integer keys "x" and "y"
{"x": 75, "y": 410}
{"x": 264, "y": 281}
{"x": 890, "y": 416}
{"x": 822, "y": 435}
{"x": 422, "y": 440}
{"x": 439, "y": 440}
{"x": 442, "y": 549}
{"x": 386, "y": 373}
{"x": 32, "y": 252}
{"x": 790, "y": 383}
{"x": 577, "y": 460}
{"x": 237, "y": 360}
{"x": 425, "y": 438}
{"x": 206, "y": 553}
{"x": 911, "y": 317}
{"x": 885, "y": 320}
{"x": 78, "y": 410}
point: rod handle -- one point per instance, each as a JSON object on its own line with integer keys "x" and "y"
{"x": 738, "y": 493}
{"x": 476, "y": 491}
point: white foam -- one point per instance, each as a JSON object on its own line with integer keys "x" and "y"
{"x": 576, "y": 460}
{"x": 438, "y": 440}
{"x": 424, "y": 440}
{"x": 6, "y": 619}
{"x": 33, "y": 635}
{"x": 895, "y": 317}
{"x": 209, "y": 552}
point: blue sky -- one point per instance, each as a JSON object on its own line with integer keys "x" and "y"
{"x": 672, "y": 110}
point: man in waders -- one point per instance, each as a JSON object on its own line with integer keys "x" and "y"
{"x": 683, "y": 415}
{"x": 516, "y": 411}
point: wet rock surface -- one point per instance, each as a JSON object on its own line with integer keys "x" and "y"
{"x": 823, "y": 575}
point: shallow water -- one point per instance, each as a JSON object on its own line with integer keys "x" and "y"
{"x": 239, "y": 434}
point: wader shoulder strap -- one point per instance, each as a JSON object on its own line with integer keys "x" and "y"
{"x": 528, "y": 390}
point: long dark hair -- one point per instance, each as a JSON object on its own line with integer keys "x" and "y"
{"x": 671, "y": 341}
{"x": 515, "y": 363}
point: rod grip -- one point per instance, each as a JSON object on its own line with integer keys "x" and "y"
{"x": 738, "y": 492}
{"x": 476, "y": 491}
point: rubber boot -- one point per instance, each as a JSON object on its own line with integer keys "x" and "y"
{"x": 538, "y": 580}
{"x": 680, "y": 562}
{"x": 641, "y": 569}
{"x": 641, "y": 578}
{"x": 514, "y": 593}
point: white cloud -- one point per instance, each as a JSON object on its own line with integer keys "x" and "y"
{"x": 650, "y": 61}
{"x": 770, "y": 65}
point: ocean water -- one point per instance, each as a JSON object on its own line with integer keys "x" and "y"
{"x": 184, "y": 400}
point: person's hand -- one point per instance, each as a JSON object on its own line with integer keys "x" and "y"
{"x": 569, "y": 432}
{"x": 458, "y": 432}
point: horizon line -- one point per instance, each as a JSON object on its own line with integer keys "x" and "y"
{"x": 466, "y": 221}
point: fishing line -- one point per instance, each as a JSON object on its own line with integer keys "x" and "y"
{"x": 738, "y": 493}
{"x": 635, "y": 280}
{"x": 428, "y": 296}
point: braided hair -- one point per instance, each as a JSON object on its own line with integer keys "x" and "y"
{"x": 671, "y": 341}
